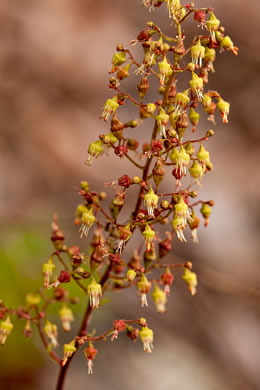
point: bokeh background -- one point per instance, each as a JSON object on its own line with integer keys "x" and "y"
{"x": 54, "y": 59}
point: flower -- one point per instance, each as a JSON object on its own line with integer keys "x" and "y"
{"x": 124, "y": 235}
{"x": 5, "y": 329}
{"x": 148, "y": 235}
{"x": 206, "y": 211}
{"x": 179, "y": 225}
{"x": 146, "y": 336}
{"x": 212, "y": 25}
{"x": 182, "y": 210}
{"x": 164, "y": 70}
{"x": 196, "y": 84}
{"x": 197, "y": 53}
{"x": 167, "y": 278}
{"x": 196, "y": 171}
{"x": 223, "y": 107}
{"x": 69, "y": 349}
{"x": 131, "y": 274}
{"x": 94, "y": 150}
{"x": 194, "y": 224}
{"x": 162, "y": 121}
{"x": 95, "y": 292}
{"x": 119, "y": 326}
{"x": 151, "y": 201}
{"x": 51, "y": 332}
{"x": 87, "y": 220}
{"x": 110, "y": 108}
{"x": 66, "y": 317}
{"x": 182, "y": 160}
{"x": 144, "y": 287}
{"x": 191, "y": 279}
{"x": 203, "y": 157}
{"x": 90, "y": 354}
{"x": 227, "y": 44}
{"x": 181, "y": 101}
{"x": 47, "y": 270}
{"x": 159, "y": 298}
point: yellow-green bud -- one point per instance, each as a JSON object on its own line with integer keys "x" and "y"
{"x": 131, "y": 274}
{"x": 5, "y": 329}
{"x": 119, "y": 58}
{"x": 191, "y": 279}
{"x": 160, "y": 299}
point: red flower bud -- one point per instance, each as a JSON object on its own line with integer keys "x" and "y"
{"x": 64, "y": 277}
{"x": 124, "y": 181}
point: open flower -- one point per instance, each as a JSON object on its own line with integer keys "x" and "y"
{"x": 212, "y": 25}
{"x": 144, "y": 287}
{"x": 223, "y": 107}
{"x": 151, "y": 201}
{"x": 51, "y": 332}
{"x": 47, "y": 270}
{"x": 5, "y": 329}
{"x": 196, "y": 84}
{"x": 110, "y": 108}
{"x": 69, "y": 349}
{"x": 191, "y": 279}
{"x": 95, "y": 292}
{"x": 164, "y": 70}
{"x": 90, "y": 354}
{"x": 197, "y": 53}
{"x": 159, "y": 298}
{"x": 66, "y": 317}
{"x": 162, "y": 121}
{"x": 146, "y": 336}
{"x": 148, "y": 235}
{"x": 124, "y": 235}
{"x": 87, "y": 220}
{"x": 182, "y": 210}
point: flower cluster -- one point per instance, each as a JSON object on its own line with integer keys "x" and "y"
{"x": 170, "y": 145}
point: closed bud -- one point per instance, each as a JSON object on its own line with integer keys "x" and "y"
{"x": 119, "y": 58}
{"x": 47, "y": 270}
{"x": 158, "y": 172}
{"x": 143, "y": 87}
{"x": 148, "y": 235}
{"x": 159, "y": 298}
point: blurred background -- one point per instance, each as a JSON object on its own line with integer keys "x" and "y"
{"x": 54, "y": 59}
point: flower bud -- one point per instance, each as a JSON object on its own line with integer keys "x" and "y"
{"x": 143, "y": 87}
{"x": 119, "y": 58}
{"x": 206, "y": 211}
{"x": 165, "y": 246}
{"x": 227, "y": 44}
{"x": 123, "y": 72}
{"x": 150, "y": 108}
{"x": 194, "y": 224}
{"x": 117, "y": 204}
{"x": 132, "y": 333}
{"x": 194, "y": 118}
{"x": 199, "y": 16}
{"x": 149, "y": 257}
{"x": 132, "y": 144}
